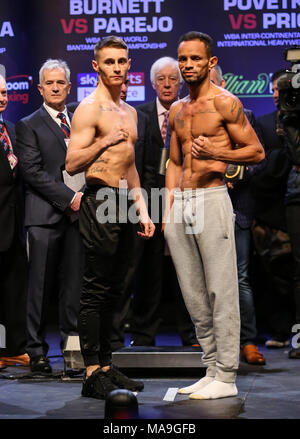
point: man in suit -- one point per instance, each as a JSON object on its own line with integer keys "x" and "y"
{"x": 13, "y": 260}
{"x": 242, "y": 202}
{"x": 270, "y": 204}
{"x": 270, "y": 232}
{"x": 55, "y": 246}
{"x": 167, "y": 82}
{"x": 292, "y": 209}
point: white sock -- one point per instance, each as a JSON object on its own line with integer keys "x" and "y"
{"x": 197, "y": 386}
{"x": 214, "y": 390}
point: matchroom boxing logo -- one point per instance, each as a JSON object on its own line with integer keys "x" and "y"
{"x": 18, "y": 87}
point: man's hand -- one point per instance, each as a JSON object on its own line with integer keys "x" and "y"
{"x": 203, "y": 149}
{"x": 165, "y": 221}
{"x": 116, "y": 136}
{"x": 147, "y": 227}
{"x": 75, "y": 206}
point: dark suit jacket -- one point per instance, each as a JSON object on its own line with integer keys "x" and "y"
{"x": 71, "y": 106}
{"x": 9, "y": 195}
{"x": 150, "y": 109}
{"x": 241, "y": 196}
{"x": 269, "y": 186}
{"x": 42, "y": 152}
{"x": 143, "y": 156}
{"x": 267, "y": 127}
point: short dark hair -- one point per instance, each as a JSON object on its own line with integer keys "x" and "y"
{"x": 277, "y": 75}
{"x": 111, "y": 41}
{"x": 194, "y": 35}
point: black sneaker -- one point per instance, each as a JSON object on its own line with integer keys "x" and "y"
{"x": 122, "y": 381}
{"x": 98, "y": 385}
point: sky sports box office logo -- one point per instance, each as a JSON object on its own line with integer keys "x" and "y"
{"x": 87, "y": 82}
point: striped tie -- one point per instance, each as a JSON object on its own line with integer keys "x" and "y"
{"x": 164, "y": 126}
{"x": 64, "y": 124}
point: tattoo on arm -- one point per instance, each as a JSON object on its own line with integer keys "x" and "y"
{"x": 100, "y": 161}
{"x": 240, "y": 111}
{"x": 244, "y": 121}
{"x": 233, "y": 107}
{"x": 180, "y": 122}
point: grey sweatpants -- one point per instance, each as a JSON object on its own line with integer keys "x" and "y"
{"x": 200, "y": 236}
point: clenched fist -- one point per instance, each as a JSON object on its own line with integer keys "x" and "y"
{"x": 203, "y": 149}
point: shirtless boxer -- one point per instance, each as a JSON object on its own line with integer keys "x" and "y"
{"x": 204, "y": 128}
{"x": 103, "y": 133}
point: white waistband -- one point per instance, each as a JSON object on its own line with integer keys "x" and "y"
{"x": 191, "y": 193}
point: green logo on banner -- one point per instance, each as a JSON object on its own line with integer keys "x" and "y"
{"x": 247, "y": 88}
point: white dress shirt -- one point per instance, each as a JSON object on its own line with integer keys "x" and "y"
{"x": 53, "y": 113}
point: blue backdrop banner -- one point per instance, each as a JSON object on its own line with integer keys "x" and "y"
{"x": 250, "y": 37}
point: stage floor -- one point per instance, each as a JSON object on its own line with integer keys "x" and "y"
{"x": 265, "y": 392}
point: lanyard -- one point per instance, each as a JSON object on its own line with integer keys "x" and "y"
{"x": 5, "y": 135}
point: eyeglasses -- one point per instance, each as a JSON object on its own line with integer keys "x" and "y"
{"x": 171, "y": 79}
